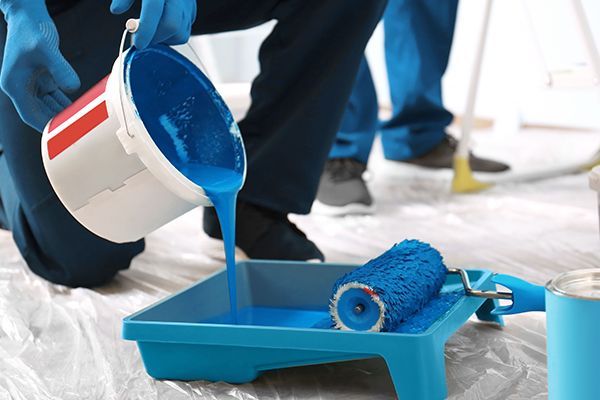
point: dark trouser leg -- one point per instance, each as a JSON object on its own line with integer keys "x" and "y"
{"x": 308, "y": 68}
{"x": 418, "y": 37}
{"x": 54, "y": 244}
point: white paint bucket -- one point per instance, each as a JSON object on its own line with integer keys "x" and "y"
{"x": 106, "y": 167}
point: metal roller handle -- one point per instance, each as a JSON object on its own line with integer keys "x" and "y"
{"x": 131, "y": 26}
{"x": 478, "y": 293}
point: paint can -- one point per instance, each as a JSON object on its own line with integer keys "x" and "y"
{"x": 116, "y": 156}
{"x": 573, "y": 328}
{"x": 572, "y": 304}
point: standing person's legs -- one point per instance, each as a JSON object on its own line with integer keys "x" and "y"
{"x": 308, "y": 67}
{"x": 52, "y": 242}
{"x": 342, "y": 189}
{"x": 360, "y": 121}
{"x": 418, "y": 38}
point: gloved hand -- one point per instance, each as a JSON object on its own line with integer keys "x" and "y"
{"x": 34, "y": 73}
{"x": 161, "y": 21}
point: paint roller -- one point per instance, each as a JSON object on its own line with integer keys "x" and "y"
{"x": 390, "y": 289}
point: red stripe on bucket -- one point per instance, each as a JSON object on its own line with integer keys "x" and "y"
{"x": 78, "y": 104}
{"x": 77, "y": 130}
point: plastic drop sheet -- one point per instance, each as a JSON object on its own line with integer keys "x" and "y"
{"x": 59, "y": 343}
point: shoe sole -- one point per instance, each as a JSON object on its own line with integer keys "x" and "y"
{"x": 319, "y": 208}
{"x": 214, "y": 248}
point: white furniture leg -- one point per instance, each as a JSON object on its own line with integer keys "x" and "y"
{"x": 463, "y": 178}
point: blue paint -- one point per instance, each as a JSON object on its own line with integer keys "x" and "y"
{"x": 182, "y": 111}
{"x": 405, "y": 278}
{"x": 192, "y": 127}
{"x": 411, "y": 271}
{"x": 221, "y": 186}
{"x": 430, "y": 313}
{"x": 273, "y": 316}
{"x": 408, "y": 279}
{"x": 433, "y": 311}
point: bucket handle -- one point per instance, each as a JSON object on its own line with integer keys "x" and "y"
{"x": 131, "y": 26}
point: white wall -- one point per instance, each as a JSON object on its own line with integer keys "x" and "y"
{"x": 513, "y": 74}
{"x": 512, "y": 83}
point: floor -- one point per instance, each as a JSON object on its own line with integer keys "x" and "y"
{"x": 59, "y": 343}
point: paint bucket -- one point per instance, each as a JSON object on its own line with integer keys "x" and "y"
{"x": 572, "y": 304}
{"x": 573, "y": 327}
{"x": 116, "y": 156}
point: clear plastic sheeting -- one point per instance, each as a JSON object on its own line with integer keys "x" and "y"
{"x": 59, "y": 343}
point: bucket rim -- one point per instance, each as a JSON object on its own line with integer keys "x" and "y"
{"x": 148, "y": 150}
{"x": 559, "y": 285}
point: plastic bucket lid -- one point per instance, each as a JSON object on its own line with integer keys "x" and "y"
{"x": 181, "y": 111}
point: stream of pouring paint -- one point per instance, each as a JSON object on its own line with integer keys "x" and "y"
{"x": 222, "y": 185}
{"x": 194, "y": 130}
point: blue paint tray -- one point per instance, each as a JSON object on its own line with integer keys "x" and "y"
{"x": 187, "y": 336}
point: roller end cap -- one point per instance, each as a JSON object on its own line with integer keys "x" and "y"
{"x": 356, "y": 307}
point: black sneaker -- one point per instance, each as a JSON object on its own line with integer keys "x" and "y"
{"x": 442, "y": 156}
{"x": 264, "y": 234}
{"x": 342, "y": 189}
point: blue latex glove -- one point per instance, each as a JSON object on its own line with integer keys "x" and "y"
{"x": 161, "y": 21}
{"x": 34, "y": 73}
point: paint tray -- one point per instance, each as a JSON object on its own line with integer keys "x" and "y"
{"x": 187, "y": 336}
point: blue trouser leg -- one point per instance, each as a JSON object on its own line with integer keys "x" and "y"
{"x": 6, "y": 192}
{"x": 418, "y": 37}
{"x": 54, "y": 245}
{"x": 359, "y": 124}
